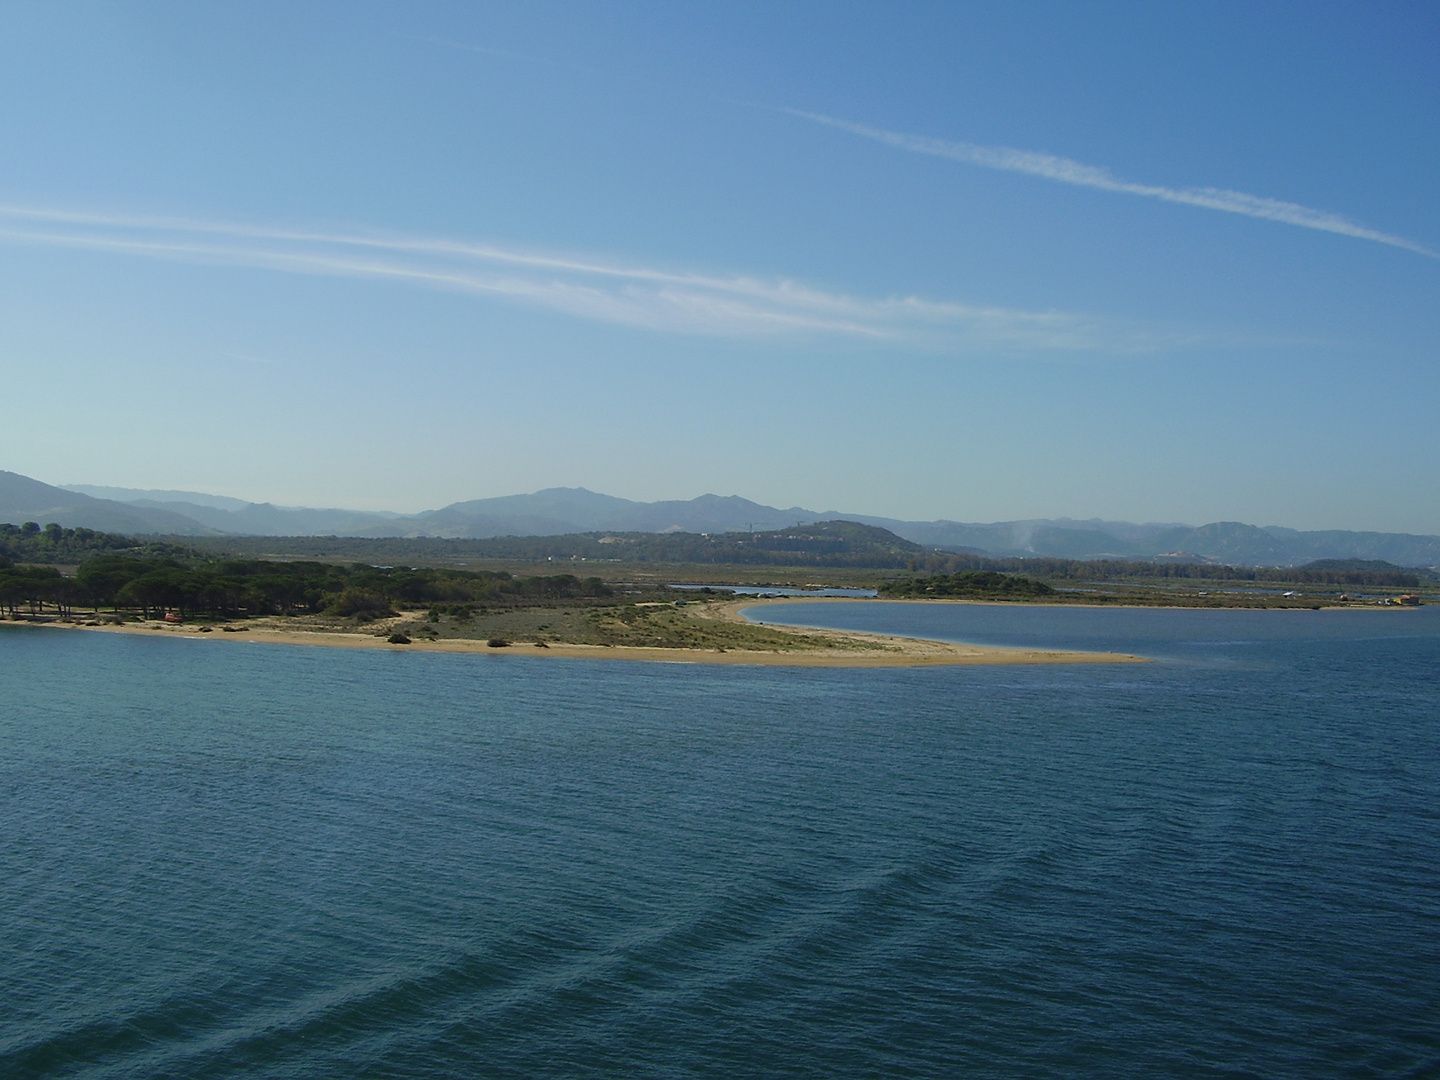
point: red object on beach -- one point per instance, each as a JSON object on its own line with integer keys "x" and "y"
{"x": 170, "y": 616}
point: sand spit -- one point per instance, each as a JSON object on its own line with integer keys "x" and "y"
{"x": 854, "y": 650}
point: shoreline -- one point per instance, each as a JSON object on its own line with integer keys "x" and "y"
{"x": 873, "y": 651}
{"x": 859, "y": 649}
{"x": 762, "y": 601}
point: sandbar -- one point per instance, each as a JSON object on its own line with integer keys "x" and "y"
{"x": 853, "y": 649}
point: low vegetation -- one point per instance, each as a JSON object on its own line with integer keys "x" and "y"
{"x": 837, "y": 544}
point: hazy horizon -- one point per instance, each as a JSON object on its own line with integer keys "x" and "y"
{"x": 222, "y": 500}
{"x": 96, "y": 489}
{"x": 964, "y": 262}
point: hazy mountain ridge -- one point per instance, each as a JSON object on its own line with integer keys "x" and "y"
{"x": 560, "y": 511}
{"x": 142, "y": 495}
{"x": 23, "y": 499}
{"x": 564, "y": 511}
{"x": 266, "y": 519}
{"x": 226, "y": 514}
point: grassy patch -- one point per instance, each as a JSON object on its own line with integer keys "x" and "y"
{"x": 660, "y": 626}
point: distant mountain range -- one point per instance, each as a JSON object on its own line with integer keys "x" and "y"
{"x": 558, "y": 511}
{"x": 218, "y": 513}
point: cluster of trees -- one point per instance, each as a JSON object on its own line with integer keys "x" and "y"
{"x": 235, "y": 587}
{"x": 54, "y": 544}
{"x": 31, "y": 586}
{"x": 1349, "y": 572}
{"x": 973, "y": 583}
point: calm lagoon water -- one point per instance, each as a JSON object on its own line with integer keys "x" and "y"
{"x": 227, "y": 859}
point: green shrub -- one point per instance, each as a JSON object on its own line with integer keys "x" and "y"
{"x": 361, "y": 604}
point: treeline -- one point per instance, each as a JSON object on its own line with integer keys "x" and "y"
{"x": 840, "y": 544}
{"x": 835, "y": 544}
{"x": 54, "y": 544}
{"x": 243, "y": 587}
{"x": 1102, "y": 570}
{"x": 987, "y": 584}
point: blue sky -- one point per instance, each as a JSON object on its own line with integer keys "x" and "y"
{"x": 1151, "y": 262}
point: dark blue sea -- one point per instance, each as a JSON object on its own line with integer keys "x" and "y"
{"x": 227, "y": 859}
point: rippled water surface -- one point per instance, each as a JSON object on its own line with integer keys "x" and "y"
{"x": 233, "y": 859}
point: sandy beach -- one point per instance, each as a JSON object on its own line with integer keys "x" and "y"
{"x": 859, "y": 650}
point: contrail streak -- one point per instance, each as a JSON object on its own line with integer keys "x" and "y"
{"x": 1065, "y": 171}
{"x": 583, "y": 286}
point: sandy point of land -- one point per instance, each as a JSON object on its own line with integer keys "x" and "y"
{"x": 919, "y": 651}
{"x": 851, "y": 649}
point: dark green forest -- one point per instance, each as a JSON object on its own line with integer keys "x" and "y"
{"x": 243, "y": 587}
{"x": 983, "y": 584}
{"x": 1351, "y": 572}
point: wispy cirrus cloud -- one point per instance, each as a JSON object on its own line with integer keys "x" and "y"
{"x": 604, "y": 290}
{"x": 1066, "y": 171}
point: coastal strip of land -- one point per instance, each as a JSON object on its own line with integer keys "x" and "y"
{"x": 773, "y": 646}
